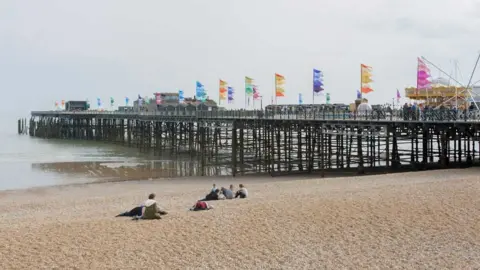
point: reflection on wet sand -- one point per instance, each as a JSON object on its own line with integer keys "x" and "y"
{"x": 125, "y": 171}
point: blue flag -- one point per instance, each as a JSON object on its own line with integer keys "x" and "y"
{"x": 200, "y": 92}
{"x": 181, "y": 97}
{"x": 300, "y": 99}
{"x": 359, "y": 94}
{"x": 317, "y": 81}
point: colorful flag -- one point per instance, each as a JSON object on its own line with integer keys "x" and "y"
{"x": 158, "y": 98}
{"x": 423, "y": 76}
{"x": 147, "y": 100}
{"x": 248, "y": 86}
{"x": 223, "y": 90}
{"x": 181, "y": 97}
{"x": 127, "y": 100}
{"x": 230, "y": 92}
{"x": 279, "y": 85}
{"x": 256, "y": 93}
{"x": 359, "y": 94}
{"x": 112, "y": 101}
{"x": 300, "y": 99}
{"x": 317, "y": 82}
{"x": 200, "y": 92}
{"x": 398, "y": 96}
{"x": 99, "y": 102}
{"x": 328, "y": 98}
{"x": 366, "y": 79}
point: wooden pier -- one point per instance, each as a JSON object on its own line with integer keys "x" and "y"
{"x": 277, "y": 143}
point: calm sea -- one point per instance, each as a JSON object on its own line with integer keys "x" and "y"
{"x": 30, "y": 162}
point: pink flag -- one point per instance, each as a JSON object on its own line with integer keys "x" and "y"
{"x": 423, "y": 76}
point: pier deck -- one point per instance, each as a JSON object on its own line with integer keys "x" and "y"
{"x": 246, "y": 142}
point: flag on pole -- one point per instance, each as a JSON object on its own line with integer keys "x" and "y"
{"x": 230, "y": 93}
{"x": 279, "y": 85}
{"x": 181, "y": 97}
{"x": 328, "y": 98}
{"x": 423, "y": 76}
{"x": 99, "y": 102}
{"x": 200, "y": 91}
{"x": 359, "y": 94}
{"x": 223, "y": 90}
{"x": 300, "y": 99}
{"x": 317, "y": 82}
{"x": 112, "y": 101}
{"x": 256, "y": 93}
{"x": 127, "y": 100}
{"x": 158, "y": 98}
{"x": 248, "y": 86}
{"x": 366, "y": 79}
{"x": 398, "y": 96}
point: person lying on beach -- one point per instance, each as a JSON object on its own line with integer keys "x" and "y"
{"x": 201, "y": 205}
{"x": 138, "y": 211}
{"x": 212, "y": 196}
{"x": 227, "y": 193}
{"x": 242, "y": 192}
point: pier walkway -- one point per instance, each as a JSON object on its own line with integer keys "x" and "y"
{"x": 242, "y": 142}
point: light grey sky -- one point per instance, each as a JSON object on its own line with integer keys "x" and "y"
{"x": 54, "y": 50}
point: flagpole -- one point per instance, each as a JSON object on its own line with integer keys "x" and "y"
{"x": 313, "y": 88}
{"x": 361, "y": 82}
{"x": 275, "y": 89}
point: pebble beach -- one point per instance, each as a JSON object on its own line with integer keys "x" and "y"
{"x": 415, "y": 220}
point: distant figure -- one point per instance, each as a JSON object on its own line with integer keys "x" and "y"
{"x": 227, "y": 193}
{"x": 232, "y": 188}
{"x": 140, "y": 211}
{"x": 212, "y": 196}
{"x": 201, "y": 205}
{"x": 214, "y": 188}
{"x": 242, "y": 192}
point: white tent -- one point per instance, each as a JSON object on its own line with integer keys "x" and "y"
{"x": 364, "y": 108}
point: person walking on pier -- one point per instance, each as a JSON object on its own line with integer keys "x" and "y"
{"x": 242, "y": 192}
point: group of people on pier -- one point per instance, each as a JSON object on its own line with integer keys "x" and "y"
{"x": 150, "y": 209}
{"x": 421, "y": 112}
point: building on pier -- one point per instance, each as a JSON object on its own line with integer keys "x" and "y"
{"x": 76, "y": 105}
{"x": 169, "y": 101}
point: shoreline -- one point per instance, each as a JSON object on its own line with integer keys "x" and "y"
{"x": 261, "y": 177}
{"x": 425, "y": 219}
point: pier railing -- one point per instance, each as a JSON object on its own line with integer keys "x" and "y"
{"x": 332, "y": 114}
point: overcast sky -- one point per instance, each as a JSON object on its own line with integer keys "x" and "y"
{"x": 54, "y": 50}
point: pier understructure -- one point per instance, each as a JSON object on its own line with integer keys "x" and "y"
{"x": 214, "y": 144}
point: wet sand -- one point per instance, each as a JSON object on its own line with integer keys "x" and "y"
{"x": 401, "y": 221}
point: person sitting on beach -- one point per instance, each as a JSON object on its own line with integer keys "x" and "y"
{"x": 232, "y": 188}
{"x": 227, "y": 193}
{"x": 242, "y": 192}
{"x": 201, "y": 205}
{"x": 212, "y": 196}
{"x": 138, "y": 211}
{"x": 214, "y": 188}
